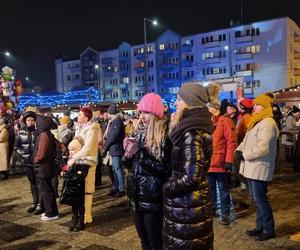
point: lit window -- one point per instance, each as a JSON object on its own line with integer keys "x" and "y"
{"x": 162, "y": 46}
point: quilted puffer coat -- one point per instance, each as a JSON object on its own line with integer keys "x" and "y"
{"x": 188, "y": 221}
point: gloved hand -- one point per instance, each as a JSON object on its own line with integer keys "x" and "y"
{"x": 238, "y": 155}
{"x": 227, "y": 166}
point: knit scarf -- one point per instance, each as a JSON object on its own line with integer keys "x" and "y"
{"x": 255, "y": 118}
{"x": 195, "y": 118}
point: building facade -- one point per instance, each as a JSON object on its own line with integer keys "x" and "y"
{"x": 257, "y": 57}
{"x": 68, "y": 74}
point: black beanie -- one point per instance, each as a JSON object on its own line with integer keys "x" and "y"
{"x": 193, "y": 94}
{"x": 112, "y": 109}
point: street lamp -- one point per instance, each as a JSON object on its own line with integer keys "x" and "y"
{"x": 27, "y": 78}
{"x": 6, "y": 53}
{"x": 155, "y": 23}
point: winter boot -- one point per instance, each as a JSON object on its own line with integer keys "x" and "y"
{"x": 38, "y": 210}
{"x": 3, "y": 175}
{"x": 73, "y": 223}
{"x": 80, "y": 225}
{"x": 32, "y": 208}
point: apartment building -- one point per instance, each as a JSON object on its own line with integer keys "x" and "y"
{"x": 256, "y": 57}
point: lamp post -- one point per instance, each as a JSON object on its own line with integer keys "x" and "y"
{"x": 97, "y": 75}
{"x": 154, "y": 22}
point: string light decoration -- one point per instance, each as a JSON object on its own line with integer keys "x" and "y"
{"x": 81, "y": 97}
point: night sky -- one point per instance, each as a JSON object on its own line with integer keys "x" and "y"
{"x": 35, "y": 32}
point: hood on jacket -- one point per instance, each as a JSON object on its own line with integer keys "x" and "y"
{"x": 44, "y": 123}
{"x": 28, "y": 114}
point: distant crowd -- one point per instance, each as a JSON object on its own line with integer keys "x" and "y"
{"x": 179, "y": 166}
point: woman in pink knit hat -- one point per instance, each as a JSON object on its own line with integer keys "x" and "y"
{"x": 147, "y": 154}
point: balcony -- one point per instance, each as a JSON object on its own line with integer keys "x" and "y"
{"x": 123, "y": 85}
{"x": 107, "y": 60}
{"x": 140, "y": 56}
{"x": 186, "y": 64}
{"x": 186, "y": 48}
{"x": 124, "y": 72}
{"x": 169, "y": 81}
{"x": 138, "y": 84}
{"x": 188, "y": 78}
{"x": 212, "y": 44}
{"x": 108, "y": 86}
{"x": 213, "y": 60}
{"x": 244, "y": 39}
{"x": 139, "y": 70}
{"x": 242, "y": 56}
{"x": 108, "y": 73}
{"x": 124, "y": 58}
{"x": 166, "y": 52}
{"x": 166, "y": 66}
{"x": 244, "y": 73}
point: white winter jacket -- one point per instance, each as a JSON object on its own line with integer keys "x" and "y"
{"x": 259, "y": 151}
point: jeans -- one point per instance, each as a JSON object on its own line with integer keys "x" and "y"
{"x": 223, "y": 183}
{"x": 149, "y": 229}
{"x": 118, "y": 173}
{"x": 264, "y": 214}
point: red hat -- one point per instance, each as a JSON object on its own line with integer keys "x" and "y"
{"x": 246, "y": 104}
{"x": 152, "y": 103}
{"x": 87, "y": 112}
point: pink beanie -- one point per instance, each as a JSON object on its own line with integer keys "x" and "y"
{"x": 152, "y": 103}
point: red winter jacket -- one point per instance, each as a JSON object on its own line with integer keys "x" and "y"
{"x": 224, "y": 143}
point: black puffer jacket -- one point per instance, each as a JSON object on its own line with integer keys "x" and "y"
{"x": 24, "y": 144}
{"x": 147, "y": 175}
{"x": 188, "y": 221}
{"x": 73, "y": 187}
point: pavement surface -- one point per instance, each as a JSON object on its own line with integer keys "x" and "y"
{"x": 112, "y": 227}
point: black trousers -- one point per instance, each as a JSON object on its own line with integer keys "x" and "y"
{"x": 149, "y": 229}
{"x": 98, "y": 176}
{"x": 48, "y": 200}
{"x": 29, "y": 171}
{"x": 78, "y": 207}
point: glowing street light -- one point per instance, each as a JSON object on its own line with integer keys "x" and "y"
{"x": 6, "y": 53}
{"x": 155, "y": 23}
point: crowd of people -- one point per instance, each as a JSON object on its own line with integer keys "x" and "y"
{"x": 179, "y": 165}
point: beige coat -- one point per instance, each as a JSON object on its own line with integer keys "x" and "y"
{"x": 259, "y": 151}
{"x": 88, "y": 153}
{"x": 4, "y": 135}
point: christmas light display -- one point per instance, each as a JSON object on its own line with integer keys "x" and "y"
{"x": 75, "y": 97}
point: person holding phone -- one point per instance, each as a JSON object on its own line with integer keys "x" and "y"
{"x": 148, "y": 153}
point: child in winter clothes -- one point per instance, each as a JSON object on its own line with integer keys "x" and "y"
{"x": 74, "y": 184}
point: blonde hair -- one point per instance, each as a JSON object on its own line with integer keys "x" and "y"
{"x": 155, "y": 134}
{"x": 176, "y": 117}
